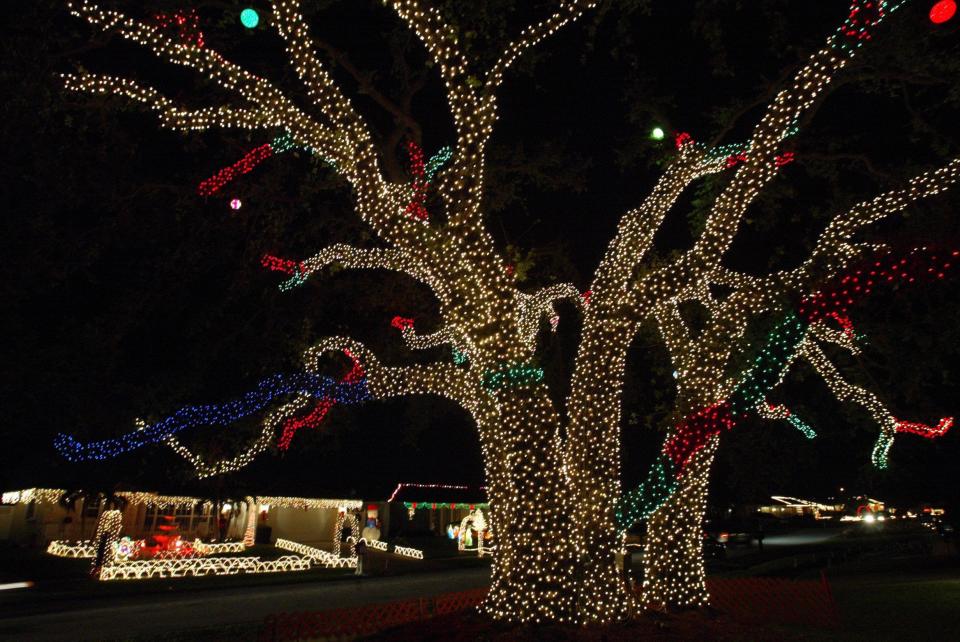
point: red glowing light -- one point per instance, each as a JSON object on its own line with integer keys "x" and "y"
{"x": 415, "y": 207}
{"x": 930, "y": 432}
{"x": 277, "y": 264}
{"x": 942, "y": 11}
{"x": 784, "y": 159}
{"x": 246, "y": 164}
{"x": 315, "y": 417}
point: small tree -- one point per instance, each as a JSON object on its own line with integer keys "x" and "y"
{"x": 554, "y": 483}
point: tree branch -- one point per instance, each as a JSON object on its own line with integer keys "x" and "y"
{"x": 171, "y": 115}
{"x": 353, "y": 258}
{"x": 532, "y": 307}
{"x": 834, "y": 244}
{"x": 568, "y": 11}
{"x": 845, "y": 391}
{"x": 345, "y": 142}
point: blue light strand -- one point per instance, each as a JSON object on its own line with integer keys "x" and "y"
{"x": 215, "y": 414}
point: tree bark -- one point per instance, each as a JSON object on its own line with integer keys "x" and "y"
{"x": 674, "y": 575}
{"x": 593, "y": 464}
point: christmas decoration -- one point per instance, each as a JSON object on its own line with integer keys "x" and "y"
{"x": 554, "y": 479}
{"x": 306, "y": 383}
{"x": 319, "y": 556}
{"x": 186, "y": 24}
{"x": 245, "y": 165}
{"x": 942, "y": 11}
{"x": 249, "y": 18}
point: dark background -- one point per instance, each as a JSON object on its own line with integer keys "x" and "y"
{"x": 127, "y": 295}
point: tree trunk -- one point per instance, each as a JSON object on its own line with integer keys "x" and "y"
{"x": 536, "y": 569}
{"x": 674, "y": 575}
{"x": 593, "y": 464}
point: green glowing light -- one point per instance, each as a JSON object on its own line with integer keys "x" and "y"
{"x": 657, "y": 133}
{"x": 249, "y": 18}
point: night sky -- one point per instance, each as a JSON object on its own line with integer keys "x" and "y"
{"x": 128, "y": 295}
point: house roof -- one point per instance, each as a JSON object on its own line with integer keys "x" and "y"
{"x": 406, "y": 493}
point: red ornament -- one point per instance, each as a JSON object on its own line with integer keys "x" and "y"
{"x": 682, "y": 138}
{"x": 942, "y": 11}
{"x": 402, "y": 323}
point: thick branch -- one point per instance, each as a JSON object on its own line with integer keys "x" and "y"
{"x": 834, "y": 245}
{"x": 383, "y": 382}
{"x": 533, "y": 307}
{"x": 353, "y": 258}
{"x": 345, "y": 142}
{"x": 171, "y": 115}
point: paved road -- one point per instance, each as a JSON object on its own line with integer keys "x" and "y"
{"x": 802, "y": 537}
{"x": 159, "y": 616}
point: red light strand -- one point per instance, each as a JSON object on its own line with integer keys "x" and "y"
{"x": 929, "y": 432}
{"x": 277, "y": 264}
{"x": 316, "y": 416}
{"x": 416, "y": 206}
{"x": 250, "y": 160}
{"x": 187, "y": 24}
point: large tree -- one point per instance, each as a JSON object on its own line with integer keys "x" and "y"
{"x": 553, "y": 471}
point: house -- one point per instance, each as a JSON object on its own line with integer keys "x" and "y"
{"x": 429, "y": 508}
{"x": 36, "y": 516}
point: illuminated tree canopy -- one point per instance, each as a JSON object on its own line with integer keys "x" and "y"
{"x": 554, "y": 475}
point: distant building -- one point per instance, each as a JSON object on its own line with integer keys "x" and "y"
{"x": 786, "y": 507}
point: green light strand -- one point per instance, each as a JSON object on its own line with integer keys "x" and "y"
{"x": 802, "y": 426}
{"x": 437, "y": 161}
{"x": 514, "y": 376}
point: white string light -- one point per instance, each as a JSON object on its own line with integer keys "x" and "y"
{"x": 544, "y": 474}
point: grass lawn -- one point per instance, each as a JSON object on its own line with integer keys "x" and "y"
{"x": 900, "y": 598}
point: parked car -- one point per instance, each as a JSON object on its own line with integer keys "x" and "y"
{"x": 731, "y": 533}
{"x": 712, "y": 549}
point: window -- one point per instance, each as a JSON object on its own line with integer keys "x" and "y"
{"x": 184, "y": 517}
